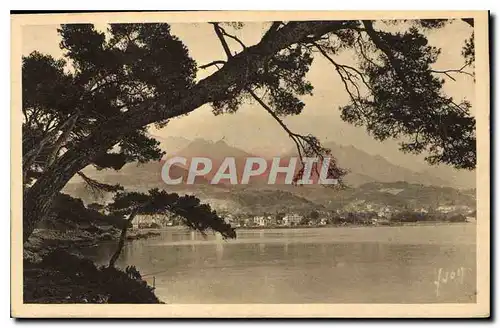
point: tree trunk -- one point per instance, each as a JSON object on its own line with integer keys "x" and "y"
{"x": 121, "y": 242}
{"x": 38, "y": 199}
{"x": 63, "y": 138}
{"x": 30, "y": 157}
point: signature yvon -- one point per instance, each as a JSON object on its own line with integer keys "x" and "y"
{"x": 455, "y": 276}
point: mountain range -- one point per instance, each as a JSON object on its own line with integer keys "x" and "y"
{"x": 371, "y": 178}
{"x": 362, "y": 167}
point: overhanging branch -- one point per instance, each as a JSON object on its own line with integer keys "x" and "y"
{"x": 220, "y": 35}
{"x": 307, "y": 145}
{"x": 291, "y": 134}
{"x": 214, "y": 63}
{"x": 345, "y": 68}
{"x": 235, "y": 38}
{"x": 97, "y": 187}
{"x": 458, "y": 71}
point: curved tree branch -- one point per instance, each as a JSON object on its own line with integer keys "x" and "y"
{"x": 220, "y": 34}
{"x": 307, "y": 145}
{"x": 458, "y": 71}
{"x": 97, "y": 187}
{"x": 214, "y": 63}
{"x": 235, "y": 38}
{"x": 345, "y": 68}
{"x": 291, "y": 134}
{"x": 237, "y": 71}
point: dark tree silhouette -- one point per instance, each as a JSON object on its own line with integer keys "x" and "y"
{"x": 189, "y": 209}
{"x": 314, "y": 215}
{"x": 97, "y": 113}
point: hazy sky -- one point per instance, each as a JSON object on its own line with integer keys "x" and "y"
{"x": 252, "y": 128}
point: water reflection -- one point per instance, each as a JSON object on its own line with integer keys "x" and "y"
{"x": 306, "y": 265}
{"x": 219, "y": 250}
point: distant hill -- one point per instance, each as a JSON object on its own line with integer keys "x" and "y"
{"x": 172, "y": 145}
{"x": 399, "y": 195}
{"x": 462, "y": 179}
{"x": 415, "y": 195}
{"x": 365, "y": 168}
{"x": 272, "y": 201}
{"x": 215, "y": 150}
{"x": 371, "y": 179}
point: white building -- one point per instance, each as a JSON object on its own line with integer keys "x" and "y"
{"x": 453, "y": 208}
{"x": 148, "y": 219}
{"x": 292, "y": 219}
{"x": 259, "y": 220}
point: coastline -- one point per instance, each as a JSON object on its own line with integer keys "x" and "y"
{"x": 44, "y": 241}
{"x": 55, "y": 272}
{"x": 394, "y": 224}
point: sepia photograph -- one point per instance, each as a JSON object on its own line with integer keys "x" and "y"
{"x": 250, "y": 164}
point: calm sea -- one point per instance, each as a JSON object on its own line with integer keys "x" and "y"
{"x": 407, "y": 264}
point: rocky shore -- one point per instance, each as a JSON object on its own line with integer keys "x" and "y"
{"x": 55, "y": 272}
{"x": 43, "y": 241}
{"x": 61, "y": 277}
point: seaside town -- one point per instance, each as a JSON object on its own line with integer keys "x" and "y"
{"x": 358, "y": 215}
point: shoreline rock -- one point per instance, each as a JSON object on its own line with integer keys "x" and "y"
{"x": 55, "y": 272}
{"x": 61, "y": 277}
{"x": 43, "y": 241}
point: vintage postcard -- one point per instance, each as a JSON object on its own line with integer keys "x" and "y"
{"x": 250, "y": 164}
